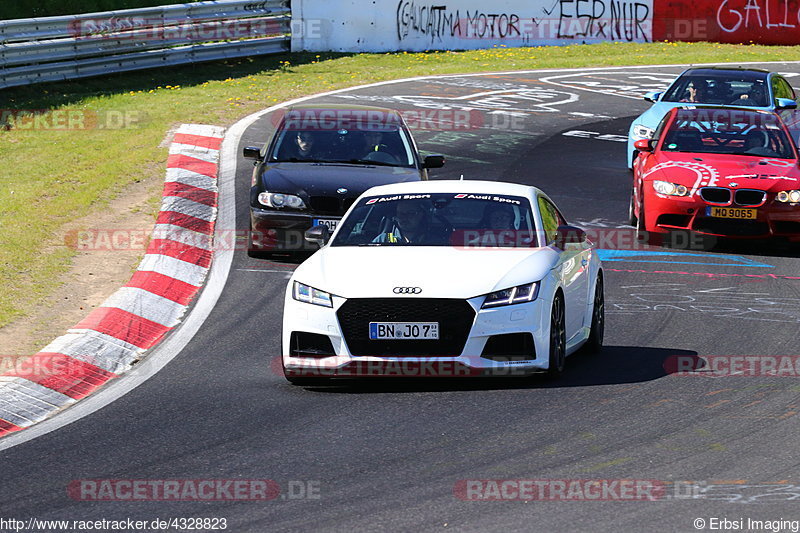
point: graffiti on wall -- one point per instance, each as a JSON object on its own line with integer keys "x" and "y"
{"x": 728, "y": 21}
{"x": 535, "y": 22}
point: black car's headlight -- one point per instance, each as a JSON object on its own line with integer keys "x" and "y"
{"x": 303, "y": 293}
{"x": 277, "y": 200}
{"x": 515, "y": 295}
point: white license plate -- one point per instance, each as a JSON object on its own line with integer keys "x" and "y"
{"x": 330, "y": 222}
{"x": 404, "y": 330}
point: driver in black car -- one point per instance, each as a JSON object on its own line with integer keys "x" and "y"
{"x": 373, "y": 148}
{"x": 372, "y": 142}
{"x": 300, "y": 145}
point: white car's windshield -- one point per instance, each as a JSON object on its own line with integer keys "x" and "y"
{"x": 439, "y": 219}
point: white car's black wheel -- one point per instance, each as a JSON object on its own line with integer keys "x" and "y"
{"x": 595, "y": 342}
{"x": 558, "y": 339}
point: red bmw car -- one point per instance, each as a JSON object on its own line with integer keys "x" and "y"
{"x": 725, "y": 172}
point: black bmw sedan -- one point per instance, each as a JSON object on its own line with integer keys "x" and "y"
{"x": 318, "y": 162}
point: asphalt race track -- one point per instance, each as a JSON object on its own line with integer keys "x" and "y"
{"x": 389, "y": 454}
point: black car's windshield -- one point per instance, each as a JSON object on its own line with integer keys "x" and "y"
{"x": 343, "y": 136}
{"x": 744, "y": 90}
{"x": 439, "y": 219}
{"x": 727, "y": 131}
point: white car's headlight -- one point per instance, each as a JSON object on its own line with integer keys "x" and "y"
{"x": 670, "y": 189}
{"x": 310, "y": 295}
{"x": 642, "y": 132}
{"x": 514, "y": 295}
{"x": 792, "y": 197}
{"x": 276, "y": 199}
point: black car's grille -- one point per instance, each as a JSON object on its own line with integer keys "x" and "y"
{"x": 716, "y": 195}
{"x": 331, "y": 205}
{"x": 455, "y": 319}
{"x": 727, "y": 226}
{"x": 749, "y": 197}
{"x": 327, "y": 205}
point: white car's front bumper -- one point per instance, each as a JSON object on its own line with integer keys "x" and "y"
{"x": 531, "y": 318}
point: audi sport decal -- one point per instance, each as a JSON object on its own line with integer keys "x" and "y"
{"x": 489, "y": 198}
{"x": 397, "y": 197}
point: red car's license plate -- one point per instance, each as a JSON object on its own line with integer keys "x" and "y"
{"x": 732, "y": 212}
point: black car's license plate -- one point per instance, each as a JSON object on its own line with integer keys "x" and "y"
{"x": 330, "y": 222}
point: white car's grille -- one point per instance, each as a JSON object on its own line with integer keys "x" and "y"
{"x": 455, "y": 318}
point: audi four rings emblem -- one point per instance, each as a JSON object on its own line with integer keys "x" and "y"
{"x": 407, "y": 290}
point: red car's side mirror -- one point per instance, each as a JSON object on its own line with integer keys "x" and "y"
{"x": 644, "y": 145}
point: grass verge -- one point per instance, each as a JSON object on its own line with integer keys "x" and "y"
{"x": 52, "y": 176}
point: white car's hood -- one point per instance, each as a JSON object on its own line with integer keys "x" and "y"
{"x": 439, "y": 271}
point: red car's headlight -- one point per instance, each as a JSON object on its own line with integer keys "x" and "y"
{"x": 788, "y": 197}
{"x": 670, "y": 189}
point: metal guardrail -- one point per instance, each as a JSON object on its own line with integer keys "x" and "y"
{"x": 59, "y": 48}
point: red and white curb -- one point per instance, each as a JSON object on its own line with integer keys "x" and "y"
{"x": 114, "y": 336}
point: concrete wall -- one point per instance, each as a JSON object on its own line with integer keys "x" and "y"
{"x": 393, "y": 25}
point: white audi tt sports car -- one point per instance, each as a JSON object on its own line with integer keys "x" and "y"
{"x": 441, "y": 279}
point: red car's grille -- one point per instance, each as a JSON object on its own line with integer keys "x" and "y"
{"x": 729, "y": 226}
{"x": 751, "y": 197}
{"x": 716, "y": 195}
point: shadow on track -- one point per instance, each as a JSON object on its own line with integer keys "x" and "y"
{"x": 613, "y": 366}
